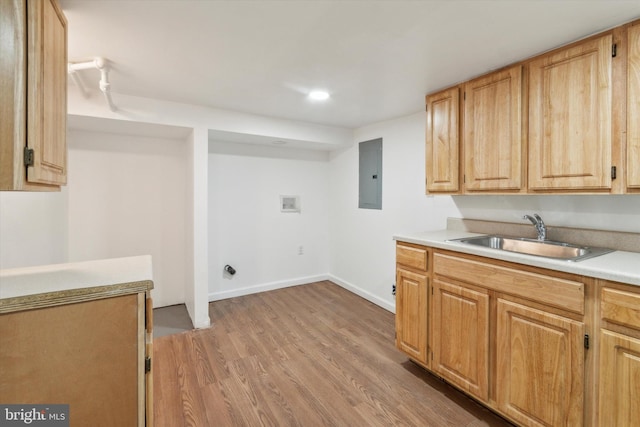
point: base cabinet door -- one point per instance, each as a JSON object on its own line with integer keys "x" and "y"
{"x": 540, "y": 366}
{"x": 411, "y": 313}
{"x": 619, "y": 404}
{"x": 461, "y": 337}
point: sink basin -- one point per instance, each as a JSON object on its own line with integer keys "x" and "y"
{"x": 547, "y": 248}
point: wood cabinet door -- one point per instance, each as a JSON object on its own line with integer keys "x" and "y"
{"x": 570, "y": 118}
{"x": 411, "y": 314}
{"x": 493, "y": 132}
{"x": 540, "y": 366}
{"x": 460, "y": 328}
{"x": 442, "y": 142}
{"x": 633, "y": 108}
{"x": 619, "y": 403}
{"x": 47, "y": 92}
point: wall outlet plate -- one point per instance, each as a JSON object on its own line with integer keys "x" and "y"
{"x": 289, "y": 203}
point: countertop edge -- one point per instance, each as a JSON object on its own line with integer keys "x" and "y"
{"x": 616, "y": 266}
{"x": 70, "y": 296}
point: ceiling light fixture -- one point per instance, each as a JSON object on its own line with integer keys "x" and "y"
{"x": 319, "y": 95}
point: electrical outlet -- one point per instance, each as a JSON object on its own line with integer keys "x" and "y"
{"x": 393, "y": 289}
{"x": 300, "y": 250}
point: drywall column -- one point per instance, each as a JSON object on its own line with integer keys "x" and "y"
{"x": 197, "y": 283}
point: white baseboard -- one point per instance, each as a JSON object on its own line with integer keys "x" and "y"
{"x": 216, "y": 296}
{"x": 364, "y": 294}
{"x": 248, "y": 290}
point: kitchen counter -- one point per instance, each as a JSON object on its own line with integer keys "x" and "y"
{"x": 57, "y": 284}
{"x": 619, "y": 266}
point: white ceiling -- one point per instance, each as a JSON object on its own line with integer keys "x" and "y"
{"x": 377, "y": 58}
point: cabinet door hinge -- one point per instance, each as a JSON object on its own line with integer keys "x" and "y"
{"x": 614, "y": 50}
{"x": 613, "y": 172}
{"x": 464, "y": 96}
{"x": 586, "y": 341}
{"x": 28, "y": 156}
{"x": 147, "y": 364}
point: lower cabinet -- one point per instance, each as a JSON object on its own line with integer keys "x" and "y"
{"x": 619, "y": 399}
{"x": 461, "y": 337}
{"x": 411, "y": 309}
{"x": 619, "y": 379}
{"x": 540, "y": 366}
{"x": 411, "y": 300}
{"x": 511, "y": 336}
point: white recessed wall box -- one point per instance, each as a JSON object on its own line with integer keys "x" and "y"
{"x": 289, "y": 203}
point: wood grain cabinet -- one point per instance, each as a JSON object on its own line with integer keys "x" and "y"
{"x": 33, "y": 95}
{"x": 570, "y": 117}
{"x": 513, "y": 337}
{"x": 460, "y": 341}
{"x": 411, "y": 300}
{"x": 493, "y": 132}
{"x": 633, "y": 109}
{"x": 566, "y": 121}
{"x": 540, "y": 366}
{"x": 443, "y": 142}
{"x": 619, "y": 400}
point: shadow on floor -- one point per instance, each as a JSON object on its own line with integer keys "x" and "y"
{"x": 171, "y": 320}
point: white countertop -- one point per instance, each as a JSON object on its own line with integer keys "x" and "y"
{"x": 618, "y": 266}
{"x": 22, "y": 282}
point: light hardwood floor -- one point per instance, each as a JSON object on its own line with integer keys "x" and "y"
{"x": 311, "y": 355}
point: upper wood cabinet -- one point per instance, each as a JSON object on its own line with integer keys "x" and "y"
{"x": 570, "y": 118}
{"x": 492, "y": 131}
{"x": 442, "y": 142}
{"x": 33, "y": 89}
{"x": 633, "y": 108}
{"x": 566, "y": 121}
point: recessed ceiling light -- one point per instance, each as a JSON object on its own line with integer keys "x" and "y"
{"x": 319, "y": 95}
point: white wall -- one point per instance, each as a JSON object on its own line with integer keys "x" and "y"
{"x": 362, "y": 252}
{"x": 33, "y": 228}
{"x": 247, "y": 229}
{"x": 126, "y": 197}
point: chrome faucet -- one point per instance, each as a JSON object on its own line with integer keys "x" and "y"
{"x": 539, "y": 224}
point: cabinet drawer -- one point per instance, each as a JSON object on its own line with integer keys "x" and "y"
{"x": 621, "y": 307}
{"x": 554, "y": 291}
{"x": 411, "y": 256}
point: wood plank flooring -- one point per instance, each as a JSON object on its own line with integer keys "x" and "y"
{"x": 310, "y": 355}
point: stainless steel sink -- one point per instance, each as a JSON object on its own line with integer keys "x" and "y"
{"x": 547, "y": 248}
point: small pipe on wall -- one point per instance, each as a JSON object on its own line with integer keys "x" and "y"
{"x": 98, "y": 63}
